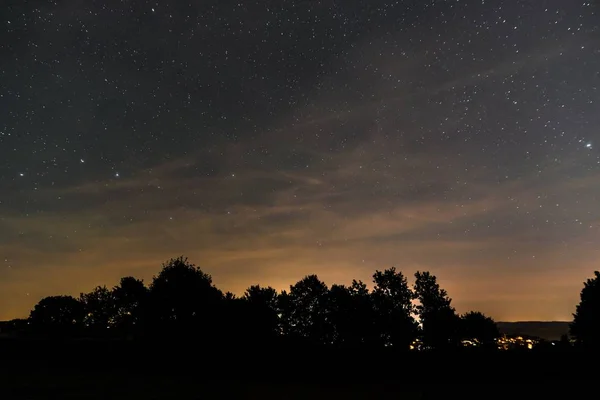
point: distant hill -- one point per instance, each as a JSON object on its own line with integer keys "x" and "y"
{"x": 549, "y": 330}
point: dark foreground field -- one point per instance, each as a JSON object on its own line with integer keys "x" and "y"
{"x": 79, "y": 385}
{"x": 73, "y": 384}
{"x": 121, "y": 370}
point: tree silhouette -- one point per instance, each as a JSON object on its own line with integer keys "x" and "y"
{"x": 263, "y": 308}
{"x": 475, "y": 325}
{"x": 305, "y": 311}
{"x": 393, "y": 298}
{"x": 233, "y": 321}
{"x": 341, "y": 316}
{"x": 352, "y": 315}
{"x": 100, "y": 311}
{"x": 130, "y": 297}
{"x": 230, "y": 296}
{"x": 585, "y": 327}
{"x": 57, "y": 315}
{"x": 440, "y": 323}
{"x": 182, "y": 299}
{"x": 183, "y": 307}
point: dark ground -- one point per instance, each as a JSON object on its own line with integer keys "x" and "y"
{"x": 33, "y": 369}
{"x": 73, "y": 384}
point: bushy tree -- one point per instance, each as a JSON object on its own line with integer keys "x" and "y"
{"x": 440, "y": 323}
{"x": 183, "y": 300}
{"x": 130, "y": 297}
{"x": 262, "y": 306}
{"x": 100, "y": 311}
{"x": 585, "y": 327}
{"x": 475, "y": 325}
{"x": 57, "y": 315}
{"x": 394, "y": 309}
{"x": 352, "y": 315}
{"x": 305, "y": 311}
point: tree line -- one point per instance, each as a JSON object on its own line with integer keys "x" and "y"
{"x": 182, "y": 302}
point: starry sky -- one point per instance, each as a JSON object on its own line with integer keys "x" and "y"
{"x": 266, "y": 140}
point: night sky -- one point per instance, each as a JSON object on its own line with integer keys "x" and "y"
{"x": 266, "y": 140}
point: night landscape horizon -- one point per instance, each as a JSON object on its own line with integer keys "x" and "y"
{"x": 295, "y": 199}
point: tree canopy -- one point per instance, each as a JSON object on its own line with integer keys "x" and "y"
{"x": 478, "y": 326}
{"x": 440, "y": 323}
{"x": 182, "y": 302}
{"x": 585, "y": 327}
{"x": 182, "y": 298}
{"x": 62, "y": 315}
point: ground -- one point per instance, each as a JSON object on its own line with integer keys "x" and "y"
{"x": 46, "y": 383}
{"x": 33, "y": 369}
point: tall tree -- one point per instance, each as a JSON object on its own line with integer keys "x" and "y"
{"x": 305, "y": 310}
{"x": 392, "y": 299}
{"x": 475, "y": 325}
{"x": 263, "y": 310}
{"x": 352, "y": 314}
{"x": 440, "y": 323}
{"x": 585, "y": 327}
{"x": 100, "y": 311}
{"x": 182, "y": 298}
{"x": 233, "y": 321}
{"x": 130, "y": 297}
{"x": 61, "y": 315}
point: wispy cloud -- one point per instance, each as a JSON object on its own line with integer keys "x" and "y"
{"x": 327, "y": 222}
